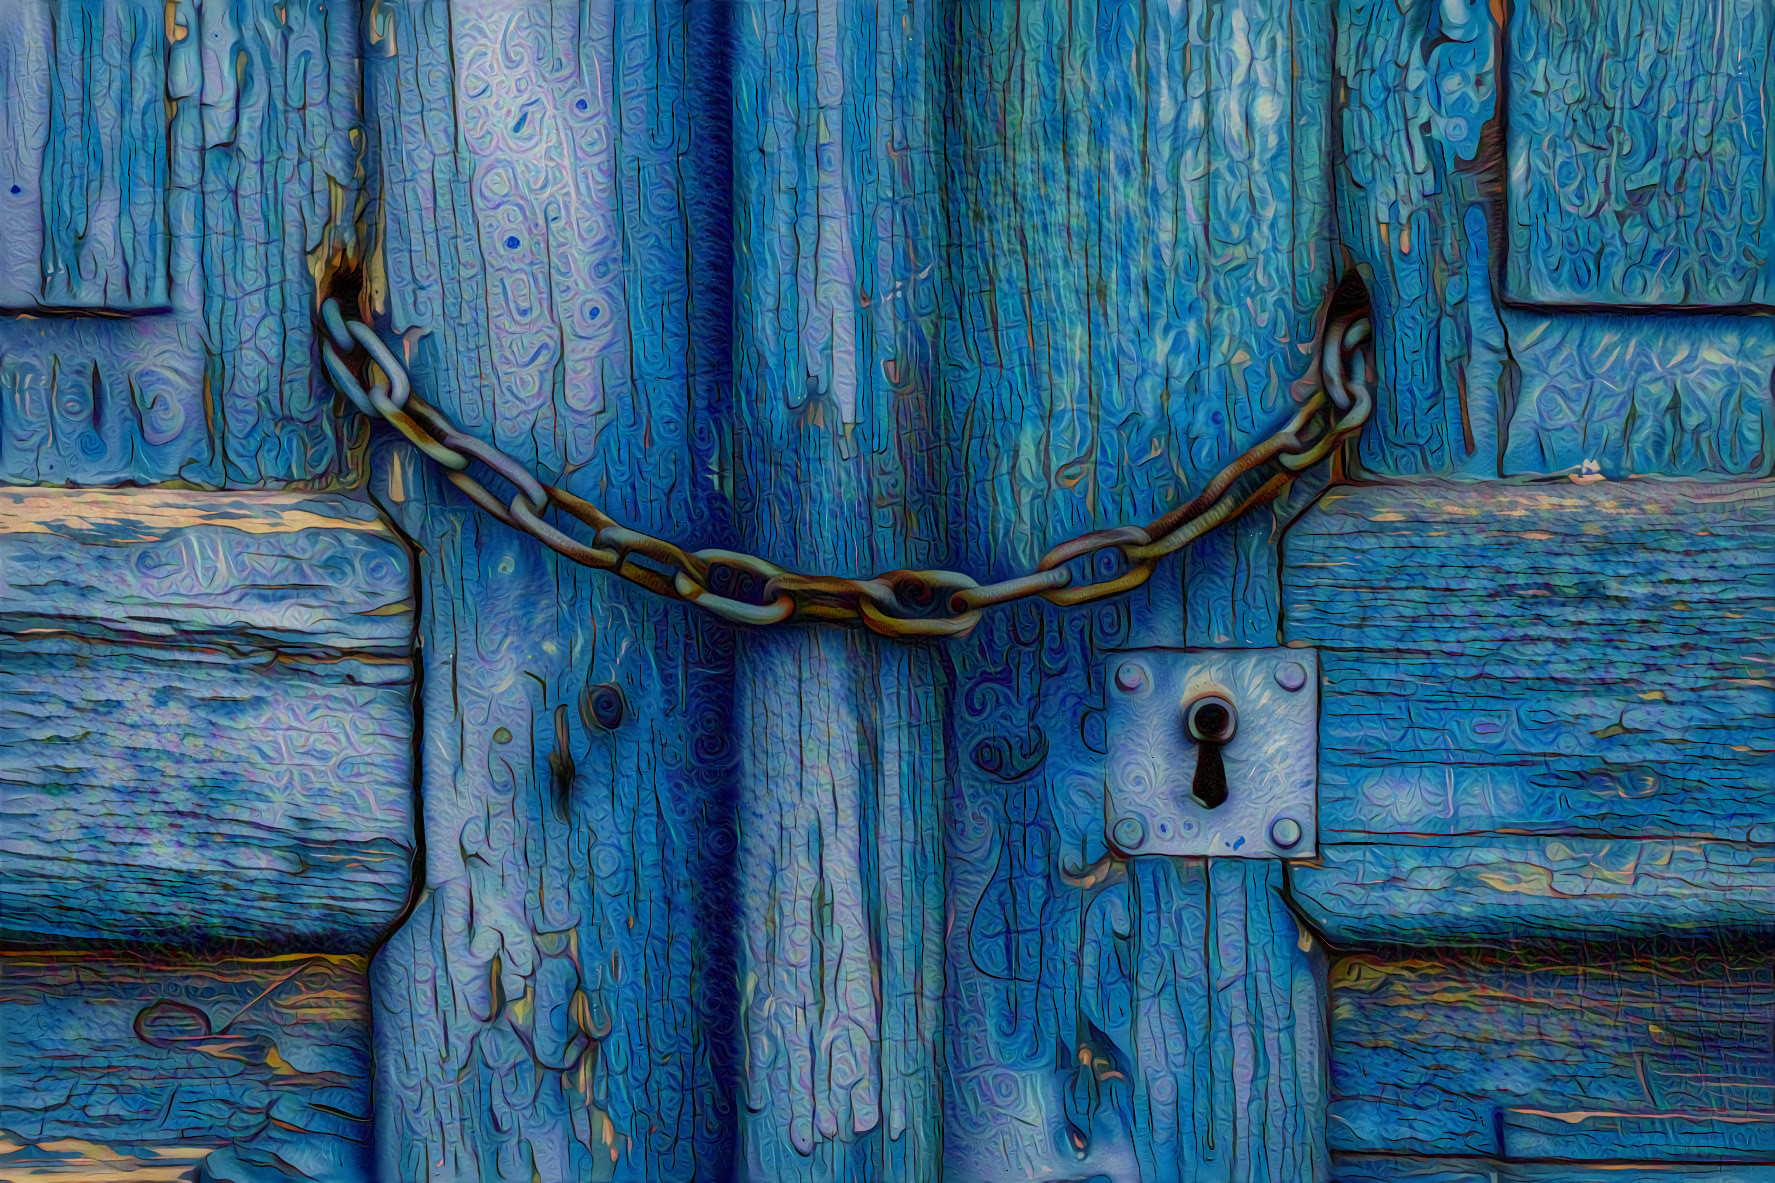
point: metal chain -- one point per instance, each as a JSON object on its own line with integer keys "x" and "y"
{"x": 901, "y": 603}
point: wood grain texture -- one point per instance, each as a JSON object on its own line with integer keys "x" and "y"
{"x": 1356, "y": 1168}
{"x": 561, "y": 1003}
{"x": 1614, "y": 1136}
{"x": 320, "y": 575}
{"x": 841, "y": 753}
{"x": 1545, "y": 706}
{"x": 1136, "y": 245}
{"x": 861, "y": 412}
{"x": 1471, "y": 386}
{"x": 1641, "y": 396}
{"x": 1582, "y": 660}
{"x": 85, "y": 112}
{"x": 95, "y": 400}
{"x": 1504, "y": 888}
{"x": 1467, "y": 1053}
{"x": 1415, "y": 188}
{"x": 1064, "y": 160}
{"x": 205, "y": 718}
{"x": 186, "y": 171}
{"x": 1641, "y": 152}
{"x": 119, "y": 1067}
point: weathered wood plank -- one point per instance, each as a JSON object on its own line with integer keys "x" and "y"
{"x": 189, "y": 171}
{"x": 186, "y": 800}
{"x": 1642, "y": 396}
{"x": 842, "y": 756}
{"x": 561, "y": 1004}
{"x": 137, "y": 1067}
{"x": 1416, "y": 182}
{"x": 205, "y": 718}
{"x": 1228, "y": 1003}
{"x": 1471, "y": 387}
{"x": 1137, "y": 240}
{"x": 1502, "y": 887}
{"x": 1358, "y": 1168}
{"x": 1465, "y": 1054}
{"x": 1604, "y": 1136}
{"x": 267, "y": 167}
{"x": 560, "y": 1000}
{"x": 104, "y": 401}
{"x": 24, "y": 130}
{"x": 319, "y": 574}
{"x": 1586, "y": 663}
{"x": 1562, "y": 659}
{"x": 1641, "y": 145}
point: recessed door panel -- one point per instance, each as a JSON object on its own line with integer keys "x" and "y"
{"x": 83, "y": 155}
{"x": 1642, "y": 152}
{"x": 176, "y": 181}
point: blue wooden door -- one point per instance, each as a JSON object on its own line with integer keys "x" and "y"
{"x": 852, "y": 287}
{"x": 353, "y": 834}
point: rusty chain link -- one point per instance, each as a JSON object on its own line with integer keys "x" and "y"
{"x": 900, "y": 603}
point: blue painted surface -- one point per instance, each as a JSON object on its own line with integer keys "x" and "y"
{"x": 1014, "y": 274}
{"x": 561, "y": 1004}
{"x": 185, "y": 172}
{"x": 91, "y": 97}
{"x": 1427, "y": 195}
{"x": 1633, "y": 1055}
{"x": 1641, "y": 151}
{"x": 842, "y": 761}
{"x": 205, "y": 719}
{"x": 928, "y": 284}
{"x": 135, "y": 1064}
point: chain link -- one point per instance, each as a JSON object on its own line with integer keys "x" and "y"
{"x": 749, "y": 590}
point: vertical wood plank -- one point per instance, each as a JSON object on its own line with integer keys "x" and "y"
{"x": 86, "y": 114}
{"x": 1139, "y": 214}
{"x": 1419, "y": 155}
{"x": 842, "y": 762}
{"x": 277, "y": 129}
{"x": 24, "y": 131}
{"x": 555, "y": 255}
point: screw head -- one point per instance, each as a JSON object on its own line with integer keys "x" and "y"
{"x": 1129, "y": 833}
{"x": 1130, "y": 676}
{"x": 1291, "y": 675}
{"x": 1285, "y": 832}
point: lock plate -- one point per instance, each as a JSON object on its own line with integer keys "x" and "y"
{"x": 1270, "y": 763}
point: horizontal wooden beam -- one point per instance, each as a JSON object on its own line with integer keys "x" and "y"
{"x": 1641, "y": 1053}
{"x": 1530, "y": 1135}
{"x": 1503, "y": 887}
{"x": 136, "y": 1067}
{"x": 1400, "y": 1168}
{"x": 1545, "y": 708}
{"x": 247, "y": 571}
{"x": 205, "y": 719}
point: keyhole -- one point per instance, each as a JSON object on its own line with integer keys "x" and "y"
{"x": 1211, "y": 722}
